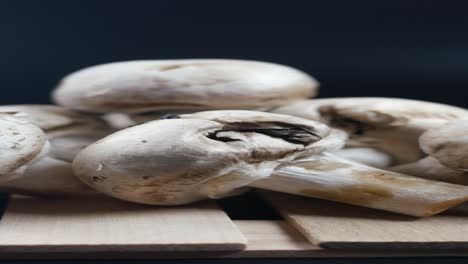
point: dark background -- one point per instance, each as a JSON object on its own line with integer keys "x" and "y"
{"x": 413, "y": 49}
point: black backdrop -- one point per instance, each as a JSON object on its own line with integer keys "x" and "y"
{"x": 413, "y": 49}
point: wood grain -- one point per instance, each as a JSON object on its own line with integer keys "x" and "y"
{"x": 266, "y": 239}
{"x": 105, "y": 224}
{"x": 335, "y": 225}
{"x": 274, "y": 237}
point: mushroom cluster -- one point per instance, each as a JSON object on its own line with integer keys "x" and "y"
{"x": 173, "y": 132}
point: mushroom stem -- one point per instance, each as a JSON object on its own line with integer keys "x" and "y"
{"x": 333, "y": 178}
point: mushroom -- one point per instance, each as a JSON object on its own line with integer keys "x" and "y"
{"x": 49, "y": 178}
{"x": 21, "y": 144}
{"x": 68, "y": 132}
{"x": 431, "y": 168}
{"x": 215, "y": 154}
{"x": 447, "y": 147}
{"x": 368, "y": 156}
{"x": 149, "y": 88}
{"x": 448, "y": 144}
{"x": 390, "y": 125}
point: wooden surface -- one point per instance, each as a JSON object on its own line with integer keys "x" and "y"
{"x": 110, "y": 225}
{"x": 274, "y": 238}
{"x": 266, "y": 239}
{"x": 334, "y": 225}
{"x": 44, "y": 229}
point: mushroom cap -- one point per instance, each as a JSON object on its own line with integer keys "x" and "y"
{"x": 448, "y": 144}
{"x": 67, "y": 130}
{"x": 182, "y": 160}
{"x": 57, "y": 120}
{"x": 155, "y": 85}
{"x": 376, "y": 111}
{"x": 20, "y": 143}
{"x": 391, "y": 125}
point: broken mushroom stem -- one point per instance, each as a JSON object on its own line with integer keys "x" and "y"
{"x": 214, "y": 154}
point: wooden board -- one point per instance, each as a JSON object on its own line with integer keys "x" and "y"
{"x": 266, "y": 239}
{"x": 106, "y": 224}
{"x": 44, "y": 229}
{"x": 334, "y": 225}
{"x": 274, "y": 238}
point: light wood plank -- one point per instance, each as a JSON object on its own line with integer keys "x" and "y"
{"x": 272, "y": 235}
{"x": 268, "y": 238}
{"x": 335, "y": 225}
{"x": 105, "y": 225}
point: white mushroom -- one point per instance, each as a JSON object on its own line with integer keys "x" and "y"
{"x": 150, "y": 87}
{"x": 367, "y": 156}
{"x": 387, "y": 124}
{"x": 448, "y": 144}
{"x": 219, "y": 153}
{"x": 48, "y": 178}
{"x": 68, "y": 133}
{"x": 431, "y": 168}
{"x": 21, "y": 143}
{"x": 447, "y": 147}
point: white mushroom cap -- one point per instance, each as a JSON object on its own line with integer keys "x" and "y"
{"x": 376, "y": 110}
{"x": 56, "y": 120}
{"x": 67, "y": 131}
{"x": 448, "y": 144}
{"x": 20, "y": 143}
{"x": 178, "y": 161}
{"x": 155, "y": 85}
{"x": 388, "y": 124}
